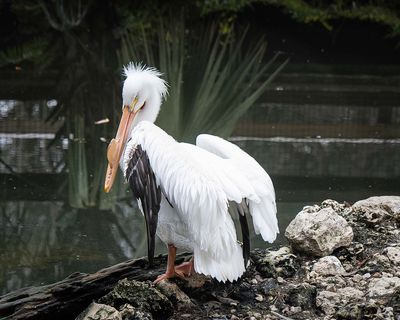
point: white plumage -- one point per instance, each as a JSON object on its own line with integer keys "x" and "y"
{"x": 197, "y": 184}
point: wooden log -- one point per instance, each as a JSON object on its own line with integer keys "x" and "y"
{"x": 67, "y": 298}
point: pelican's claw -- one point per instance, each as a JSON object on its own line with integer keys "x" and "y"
{"x": 182, "y": 271}
{"x": 185, "y": 268}
{"x": 168, "y": 275}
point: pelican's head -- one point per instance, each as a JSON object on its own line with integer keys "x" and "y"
{"x": 142, "y": 95}
{"x": 143, "y": 90}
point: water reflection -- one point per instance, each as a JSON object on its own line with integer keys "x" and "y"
{"x": 43, "y": 242}
{"x": 43, "y": 239}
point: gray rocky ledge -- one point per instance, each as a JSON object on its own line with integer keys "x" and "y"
{"x": 355, "y": 274}
{"x": 342, "y": 263}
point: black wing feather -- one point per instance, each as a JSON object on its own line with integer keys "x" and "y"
{"x": 242, "y": 209}
{"x": 246, "y": 238}
{"x": 142, "y": 181}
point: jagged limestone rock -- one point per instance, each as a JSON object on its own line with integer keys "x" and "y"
{"x": 336, "y": 206}
{"x": 97, "y": 311}
{"x": 393, "y": 254}
{"x": 383, "y": 286}
{"x": 130, "y": 313}
{"x": 328, "y": 266}
{"x": 318, "y": 232}
{"x": 389, "y": 204}
{"x": 140, "y": 295}
{"x": 174, "y": 294}
{"x": 330, "y": 302}
{"x": 302, "y": 286}
{"x": 301, "y": 295}
{"x": 281, "y": 262}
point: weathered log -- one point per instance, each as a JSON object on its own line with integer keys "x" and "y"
{"x": 67, "y": 298}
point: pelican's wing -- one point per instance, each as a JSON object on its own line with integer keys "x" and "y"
{"x": 219, "y": 188}
{"x": 199, "y": 186}
{"x": 263, "y": 212}
{"x": 142, "y": 181}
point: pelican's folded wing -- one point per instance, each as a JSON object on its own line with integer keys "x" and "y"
{"x": 262, "y": 212}
{"x": 199, "y": 185}
{"x": 144, "y": 186}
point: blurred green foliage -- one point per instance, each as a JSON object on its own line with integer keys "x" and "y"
{"x": 386, "y": 13}
{"x": 213, "y": 77}
{"x": 86, "y": 41}
{"x": 39, "y": 33}
{"x": 30, "y": 28}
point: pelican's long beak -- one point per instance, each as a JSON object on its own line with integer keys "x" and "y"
{"x": 116, "y": 146}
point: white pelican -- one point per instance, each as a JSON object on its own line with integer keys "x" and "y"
{"x": 187, "y": 192}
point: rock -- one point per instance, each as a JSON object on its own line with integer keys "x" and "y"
{"x": 355, "y": 249}
{"x": 360, "y": 280}
{"x": 141, "y": 296}
{"x": 327, "y": 301}
{"x": 97, "y": 311}
{"x": 377, "y": 263}
{"x": 349, "y": 311}
{"x": 328, "y": 266}
{"x": 294, "y": 310}
{"x": 174, "y": 294}
{"x": 301, "y": 295}
{"x": 227, "y": 301}
{"x": 387, "y": 314}
{"x": 277, "y": 263}
{"x": 243, "y": 292}
{"x": 130, "y": 313}
{"x": 375, "y": 210}
{"x": 318, "y": 232}
{"x": 269, "y": 286}
{"x": 331, "y": 302}
{"x": 196, "y": 280}
{"x": 389, "y": 204}
{"x": 383, "y": 286}
{"x": 371, "y": 216}
{"x": 259, "y": 297}
{"x": 393, "y": 254}
{"x": 348, "y": 294}
{"x": 336, "y": 206}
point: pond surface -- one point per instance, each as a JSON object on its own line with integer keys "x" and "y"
{"x": 343, "y": 145}
{"x": 45, "y": 241}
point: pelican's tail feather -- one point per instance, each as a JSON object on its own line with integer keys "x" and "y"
{"x": 225, "y": 268}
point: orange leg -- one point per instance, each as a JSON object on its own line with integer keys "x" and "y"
{"x": 183, "y": 270}
{"x": 186, "y": 268}
{"x": 170, "y": 273}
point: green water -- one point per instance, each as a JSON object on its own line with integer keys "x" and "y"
{"x": 44, "y": 241}
{"x": 343, "y": 145}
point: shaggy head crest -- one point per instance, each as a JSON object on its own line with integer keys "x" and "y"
{"x": 139, "y": 78}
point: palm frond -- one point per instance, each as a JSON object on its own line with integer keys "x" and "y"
{"x": 213, "y": 80}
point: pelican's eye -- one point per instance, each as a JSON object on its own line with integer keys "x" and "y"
{"x": 133, "y": 104}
